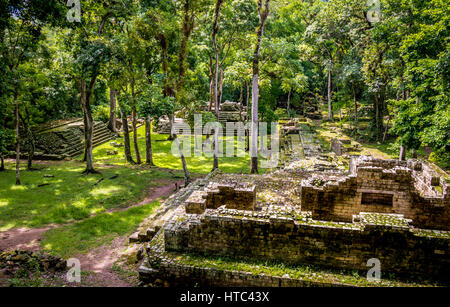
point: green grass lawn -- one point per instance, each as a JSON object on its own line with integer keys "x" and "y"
{"x": 83, "y": 236}
{"x": 69, "y": 195}
{"x": 57, "y": 193}
{"x": 163, "y": 157}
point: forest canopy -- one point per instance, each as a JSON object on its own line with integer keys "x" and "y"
{"x": 382, "y": 63}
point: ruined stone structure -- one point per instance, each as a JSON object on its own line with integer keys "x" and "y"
{"x": 397, "y": 212}
{"x": 65, "y": 140}
{"x": 233, "y": 196}
{"x": 411, "y": 188}
{"x": 294, "y": 238}
{"x": 340, "y": 146}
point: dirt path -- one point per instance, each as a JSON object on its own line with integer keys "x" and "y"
{"x": 23, "y": 238}
{"x": 99, "y": 261}
{"x": 168, "y": 187}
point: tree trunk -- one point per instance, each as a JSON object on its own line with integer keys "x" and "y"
{"x": 32, "y": 148}
{"x": 30, "y": 139}
{"x": 187, "y": 27}
{"x": 378, "y": 116}
{"x": 215, "y": 149}
{"x": 247, "y": 137}
{"x": 330, "y": 106}
{"x": 220, "y": 94}
{"x": 135, "y": 136}
{"x": 254, "y": 145}
{"x": 248, "y": 94}
{"x": 171, "y": 122}
{"x": 211, "y": 94}
{"x": 215, "y": 78}
{"x": 126, "y": 137}
{"x": 2, "y": 163}
{"x": 112, "y": 111}
{"x": 355, "y": 103}
{"x": 89, "y": 145}
{"x": 134, "y": 124}
{"x": 289, "y": 103}
{"x": 86, "y": 95}
{"x": 85, "y": 125}
{"x": 241, "y": 96}
{"x": 148, "y": 141}
{"x": 241, "y": 103}
{"x": 16, "y": 126}
{"x": 402, "y": 155}
{"x": 263, "y": 14}
{"x": 187, "y": 177}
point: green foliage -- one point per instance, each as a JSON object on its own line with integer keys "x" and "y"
{"x": 281, "y": 113}
{"x": 396, "y": 69}
{"x": 6, "y": 140}
{"x": 207, "y": 117}
{"x": 101, "y": 113}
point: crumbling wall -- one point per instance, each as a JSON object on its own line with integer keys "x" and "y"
{"x": 279, "y": 238}
{"x": 384, "y": 186}
{"x": 233, "y": 196}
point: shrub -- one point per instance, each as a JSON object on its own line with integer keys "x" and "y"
{"x": 101, "y": 113}
{"x": 281, "y": 113}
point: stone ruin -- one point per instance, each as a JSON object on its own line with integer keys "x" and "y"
{"x": 397, "y": 212}
{"x": 342, "y": 146}
{"x": 232, "y": 196}
{"x": 64, "y": 139}
{"x": 411, "y": 188}
{"x": 230, "y": 112}
{"x": 333, "y": 217}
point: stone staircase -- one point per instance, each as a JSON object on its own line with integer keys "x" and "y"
{"x": 75, "y": 144}
{"x": 165, "y": 127}
{"x": 224, "y": 117}
{"x": 68, "y": 140}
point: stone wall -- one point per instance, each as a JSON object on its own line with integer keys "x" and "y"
{"x": 385, "y": 186}
{"x": 177, "y": 275}
{"x": 301, "y": 241}
{"x": 233, "y": 196}
{"x": 337, "y": 145}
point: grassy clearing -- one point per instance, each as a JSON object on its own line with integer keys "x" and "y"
{"x": 162, "y": 156}
{"x": 83, "y": 236}
{"x": 69, "y": 195}
{"x": 57, "y": 193}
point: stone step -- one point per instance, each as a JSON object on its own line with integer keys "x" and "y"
{"x": 73, "y": 139}
{"x": 101, "y": 137}
{"x": 75, "y": 153}
{"x": 101, "y": 134}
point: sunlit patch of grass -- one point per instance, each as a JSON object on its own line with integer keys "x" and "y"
{"x": 163, "y": 157}
{"x": 83, "y": 236}
{"x": 18, "y": 188}
{"x": 70, "y": 196}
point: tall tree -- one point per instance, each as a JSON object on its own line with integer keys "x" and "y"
{"x": 112, "y": 125}
{"x": 21, "y": 33}
{"x": 263, "y": 12}
{"x": 215, "y": 76}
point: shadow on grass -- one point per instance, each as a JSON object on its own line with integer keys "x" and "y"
{"x": 83, "y": 236}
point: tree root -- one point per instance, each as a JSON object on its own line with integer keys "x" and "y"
{"x": 90, "y": 172}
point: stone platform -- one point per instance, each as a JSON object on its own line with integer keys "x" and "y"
{"x": 300, "y": 218}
